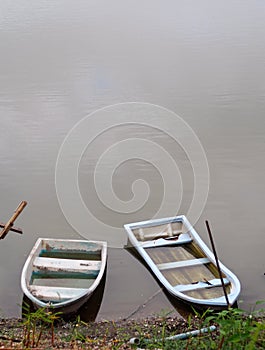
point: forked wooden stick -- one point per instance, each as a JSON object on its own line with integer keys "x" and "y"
{"x": 10, "y": 222}
{"x": 13, "y": 228}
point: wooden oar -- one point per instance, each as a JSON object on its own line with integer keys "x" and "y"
{"x": 217, "y": 263}
{"x": 10, "y": 222}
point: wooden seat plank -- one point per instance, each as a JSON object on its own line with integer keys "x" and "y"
{"x": 55, "y": 293}
{"x": 216, "y": 282}
{"x": 183, "y": 263}
{"x": 183, "y": 238}
{"x": 69, "y": 265}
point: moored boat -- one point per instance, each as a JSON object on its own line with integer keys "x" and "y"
{"x": 183, "y": 263}
{"x": 61, "y": 275}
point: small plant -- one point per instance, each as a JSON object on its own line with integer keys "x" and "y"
{"x": 239, "y": 330}
{"x": 163, "y": 316}
{"x": 34, "y": 323}
{"x": 77, "y": 334}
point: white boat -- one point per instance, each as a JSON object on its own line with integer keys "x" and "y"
{"x": 61, "y": 275}
{"x": 183, "y": 263}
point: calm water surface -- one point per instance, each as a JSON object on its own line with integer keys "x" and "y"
{"x": 63, "y": 60}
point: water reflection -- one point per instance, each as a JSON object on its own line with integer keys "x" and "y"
{"x": 89, "y": 311}
{"x": 180, "y": 307}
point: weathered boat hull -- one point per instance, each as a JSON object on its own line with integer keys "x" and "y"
{"x": 182, "y": 262}
{"x": 61, "y": 275}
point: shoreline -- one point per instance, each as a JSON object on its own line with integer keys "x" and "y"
{"x": 92, "y": 335}
{"x": 214, "y": 330}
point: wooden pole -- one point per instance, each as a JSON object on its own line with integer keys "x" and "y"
{"x": 10, "y": 222}
{"x": 13, "y": 228}
{"x": 217, "y": 262}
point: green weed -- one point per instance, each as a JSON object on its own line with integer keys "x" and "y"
{"x": 236, "y": 330}
{"x": 34, "y": 324}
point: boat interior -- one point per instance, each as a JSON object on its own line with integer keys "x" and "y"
{"x": 181, "y": 262}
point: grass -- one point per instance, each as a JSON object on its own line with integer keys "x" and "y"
{"x": 235, "y": 329}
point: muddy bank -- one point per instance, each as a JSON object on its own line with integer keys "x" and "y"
{"x": 93, "y": 335}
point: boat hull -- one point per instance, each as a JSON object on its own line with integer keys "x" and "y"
{"x": 62, "y": 275}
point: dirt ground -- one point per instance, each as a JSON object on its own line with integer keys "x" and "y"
{"x": 15, "y": 334}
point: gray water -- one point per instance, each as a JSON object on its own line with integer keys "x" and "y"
{"x": 61, "y": 61}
